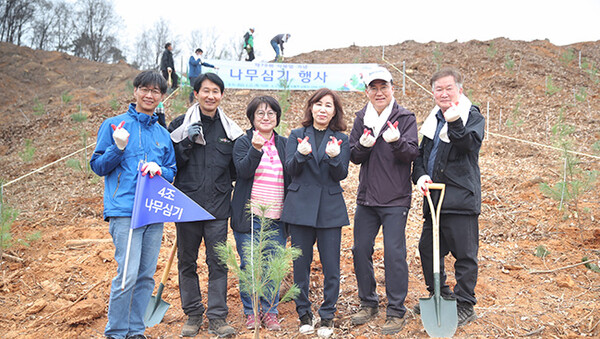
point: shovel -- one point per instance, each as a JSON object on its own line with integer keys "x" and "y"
{"x": 438, "y": 314}
{"x": 157, "y": 307}
{"x": 170, "y": 80}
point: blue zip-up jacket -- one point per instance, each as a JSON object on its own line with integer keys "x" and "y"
{"x": 195, "y": 67}
{"x": 148, "y": 141}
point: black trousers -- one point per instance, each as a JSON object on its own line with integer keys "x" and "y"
{"x": 459, "y": 235}
{"x": 328, "y": 242}
{"x": 189, "y": 237}
{"x": 250, "y": 52}
{"x": 192, "y": 80}
{"x": 367, "y": 221}
{"x": 174, "y": 78}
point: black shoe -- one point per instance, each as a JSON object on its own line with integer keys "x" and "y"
{"x": 465, "y": 313}
{"x": 307, "y": 324}
{"x": 192, "y": 326}
{"x": 136, "y": 336}
{"x": 220, "y": 327}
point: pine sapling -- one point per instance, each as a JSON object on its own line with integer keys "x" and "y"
{"x": 268, "y": 263}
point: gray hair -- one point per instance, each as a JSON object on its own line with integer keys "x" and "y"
{"x": 447, "y": 71}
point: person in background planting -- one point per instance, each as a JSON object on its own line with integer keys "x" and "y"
{"x": 449, "y": 154}
{"x": 125, "y": 144}
{"x": 384, "y": 143}
{"x": 277, "y": 44}
{"x": 249, "y": 44}
{"x": 195, "y": 69}
{"x": 203, "y": 138}
{"x": 317, "y": 158}
{"x": 258, "y": 157}
{"x": 167, "y": 65}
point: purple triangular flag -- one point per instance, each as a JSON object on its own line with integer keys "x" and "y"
{"x": 156, "y": 200}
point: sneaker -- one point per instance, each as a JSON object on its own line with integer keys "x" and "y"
{"x": 306, "y": 324}
{"x": 220, "y": 327}
{"x": 136, "y": 336}
{"x": 364, "y": 315}
{"x": 250, "y": 321}
{"x": 326, "y": 328}
{"x": 465, "y": 313}
{"x": 392, "y": 325}
{"x": 269, "y": 320}
{"x": 191, "y": 326}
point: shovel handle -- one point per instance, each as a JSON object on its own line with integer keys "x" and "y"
{"x": 165, "y": 275}
{"x": 436, "y": 186}
{"x": 435, "y": 220}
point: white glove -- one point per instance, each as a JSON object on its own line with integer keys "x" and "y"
{"x": 333, "y": 147}
{"x": 422, "y": 183}
{"x": 152, "y": 168}
{"x": 120, "y": 135}
{"x": 451, "y": 113}
{"x": 367, "y": 140}
{"x": 304, "y": 146}
{"x": 391, "y": 134}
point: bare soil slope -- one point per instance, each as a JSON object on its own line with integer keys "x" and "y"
{"x": 52, "y": 287}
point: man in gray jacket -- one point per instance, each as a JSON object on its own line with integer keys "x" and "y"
{"x": 384, "y": 142}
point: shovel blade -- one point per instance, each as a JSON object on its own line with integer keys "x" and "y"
{"x": 156, "y": 309}
{"x": 439, "y": 319}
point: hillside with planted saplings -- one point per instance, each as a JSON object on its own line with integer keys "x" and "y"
{"x": 539, "y": 229}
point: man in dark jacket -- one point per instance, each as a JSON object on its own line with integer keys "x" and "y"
{"x": 384, "y": 142}
{"x": 167, "y": 65}
{"x": 449, "y": 154}
{"x": 203, "y": 140}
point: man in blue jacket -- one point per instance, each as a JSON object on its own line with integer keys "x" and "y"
{"x": 384, "y": 142}
{"x": 125, "y": 144}
{"x": 449, "y": 154}
{"x": 195, "y": 69}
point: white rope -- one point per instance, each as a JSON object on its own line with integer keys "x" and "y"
{"x": 70, "y": 155}
{"x": 48, "y": 165}
{"x": 497, "y": 134}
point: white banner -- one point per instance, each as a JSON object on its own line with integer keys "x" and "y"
{"x": 279, "y": 76}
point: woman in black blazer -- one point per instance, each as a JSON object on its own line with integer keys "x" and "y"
{"x": 317, "y": 157}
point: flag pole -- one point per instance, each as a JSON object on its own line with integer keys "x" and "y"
{"x": 127, "y": 258}
{"x": 137, "y": 179}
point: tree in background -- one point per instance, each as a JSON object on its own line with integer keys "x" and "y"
{"x": 14, "y": 18}
{"x": 64, "y": 29}
{"x": 150, "y": 44}
{"x": 96, "y": 31}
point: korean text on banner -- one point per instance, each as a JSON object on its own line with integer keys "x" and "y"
{"x": 280, "y": 76}
{"x": 156, "y": 200}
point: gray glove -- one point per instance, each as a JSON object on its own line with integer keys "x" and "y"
{"x": 194, "y": 130}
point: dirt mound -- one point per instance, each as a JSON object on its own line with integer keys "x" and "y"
{"x": 52, "y": 286}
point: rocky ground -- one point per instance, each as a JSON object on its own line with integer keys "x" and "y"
{"x": 53, "y": 286}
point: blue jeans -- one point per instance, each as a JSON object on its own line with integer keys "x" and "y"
{"x": 276, "y": 48}
{"x": 126, "y": 307}
{"x": 267, "y": 306}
